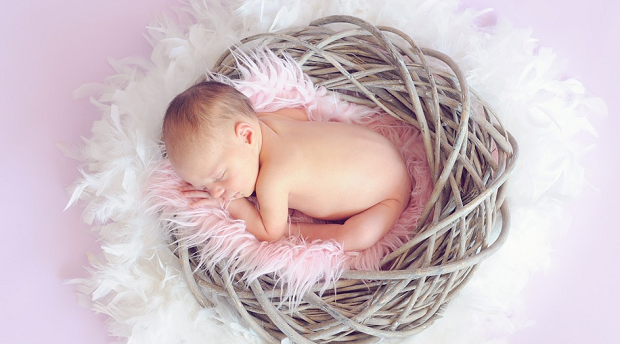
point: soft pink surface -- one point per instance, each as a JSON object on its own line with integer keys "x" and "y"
{"x": 51, "y": 48}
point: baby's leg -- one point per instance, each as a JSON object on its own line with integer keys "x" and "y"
{"x": 360, "y": 231}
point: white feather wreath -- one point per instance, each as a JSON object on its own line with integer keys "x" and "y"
{"x": 137, "y": 281}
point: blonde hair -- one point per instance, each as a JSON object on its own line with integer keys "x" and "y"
{"x": 201, "y": 112}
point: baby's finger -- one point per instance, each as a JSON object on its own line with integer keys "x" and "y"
{"x": 196, "y": 194}
{"x": 187, "y": 187}
{"x": 204, "y": 202}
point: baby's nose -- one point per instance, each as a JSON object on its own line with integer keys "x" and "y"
{"x": 217, "y": 191}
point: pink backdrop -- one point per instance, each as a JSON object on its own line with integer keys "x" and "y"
{"x": 51, "y": 48}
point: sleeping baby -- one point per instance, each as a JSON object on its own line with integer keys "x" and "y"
{"x": 344, "y": 173}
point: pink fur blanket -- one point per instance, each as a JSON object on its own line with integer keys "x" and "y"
{"x": 273, "y": 83}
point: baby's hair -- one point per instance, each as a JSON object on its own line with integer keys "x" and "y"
{"x": 204, "y": 108}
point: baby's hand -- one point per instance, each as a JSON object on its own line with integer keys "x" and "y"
{"x": 199, "y": 197}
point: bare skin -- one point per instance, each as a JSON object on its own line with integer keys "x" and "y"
{"x": 330, "y": 171}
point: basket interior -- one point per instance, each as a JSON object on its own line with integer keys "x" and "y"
{"x": 470, "y": 156}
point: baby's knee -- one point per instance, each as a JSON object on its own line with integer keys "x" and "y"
{"x": 362, "y": 232}
{"x": 361, "y": 237}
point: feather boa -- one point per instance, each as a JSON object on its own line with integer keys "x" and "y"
{"x": 137, "y": 280}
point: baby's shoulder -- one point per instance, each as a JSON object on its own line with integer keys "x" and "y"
{"x": 273, "y": 178}
{"x": 286, "y": 114}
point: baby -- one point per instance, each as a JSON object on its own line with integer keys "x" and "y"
{"x": 344, "y": 173}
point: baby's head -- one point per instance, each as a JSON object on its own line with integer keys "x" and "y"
{"x": 211, "y": 132}
{"x": 203, "y": 113}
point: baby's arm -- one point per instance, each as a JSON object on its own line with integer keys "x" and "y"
{"x": 270, "y": 223}
{"x": 360, "y": 231}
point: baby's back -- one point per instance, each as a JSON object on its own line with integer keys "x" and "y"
{"x": 334, "y": 170}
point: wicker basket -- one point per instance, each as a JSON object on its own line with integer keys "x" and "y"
{"x": 470, "y": 156}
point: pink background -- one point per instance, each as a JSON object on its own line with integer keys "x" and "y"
{"x": 49, "y": 48}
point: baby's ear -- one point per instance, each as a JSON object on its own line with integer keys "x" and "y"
{"x": 245, "y": 131}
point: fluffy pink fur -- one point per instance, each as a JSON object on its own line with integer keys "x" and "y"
{"x": 272, "y": 84}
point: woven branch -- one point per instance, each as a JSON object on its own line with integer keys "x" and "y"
{"x": 470, "y": 156}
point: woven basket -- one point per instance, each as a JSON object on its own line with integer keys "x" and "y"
{"x": 470, "y": 157}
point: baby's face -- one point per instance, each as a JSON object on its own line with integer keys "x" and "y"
{"x": 228, "y": 172}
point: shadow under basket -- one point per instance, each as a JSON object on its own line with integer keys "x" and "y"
{"x": 464, "y": 222}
